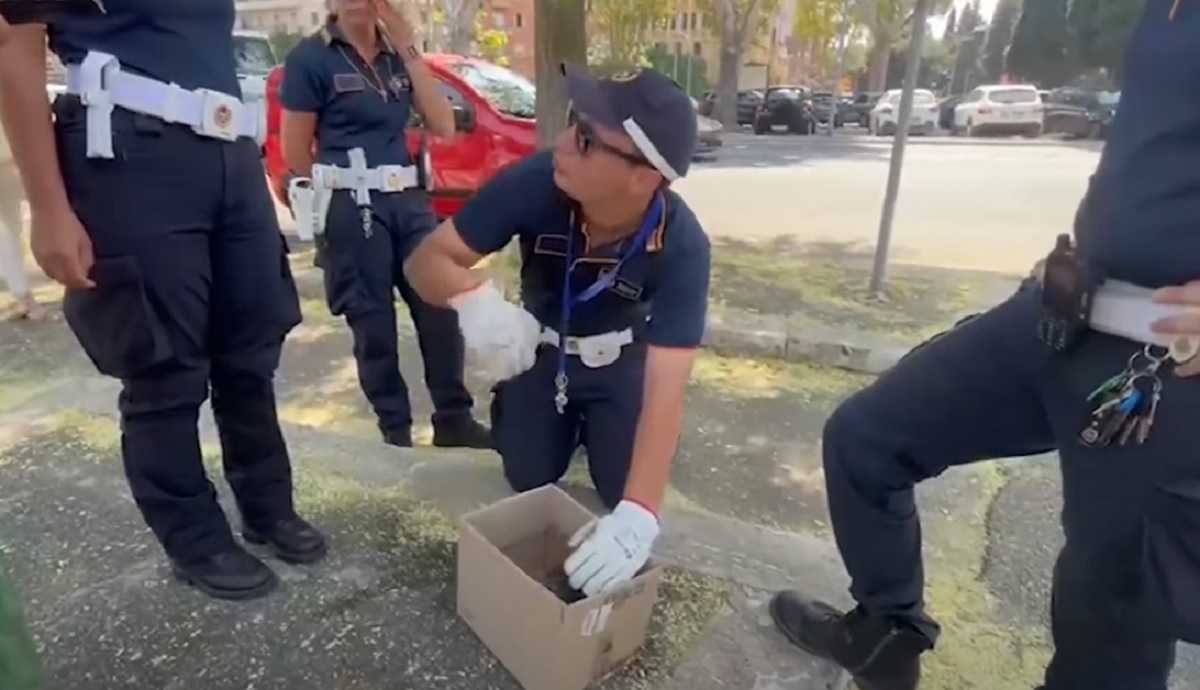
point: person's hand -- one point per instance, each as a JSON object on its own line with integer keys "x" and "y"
{"x": 398, "y": 26}
{"x": 502, "y": 336}
{"x": 611, "y": 550}
{"x": 1185, "y": 325}
{"x": 62, "y": 247}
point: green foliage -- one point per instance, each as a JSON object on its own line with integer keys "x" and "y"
{"x": 624, "y": 23}
{"x": 664, "y": 61}
{"x": 1101, "y": 31}
{"x": 491, "y": 44}
{"x": 1041, "y": 47}
{"x": 1000, "y": 35}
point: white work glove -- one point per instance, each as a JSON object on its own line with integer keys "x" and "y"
{"x": 502, "y": 337}
{"x": 611, "y": 550}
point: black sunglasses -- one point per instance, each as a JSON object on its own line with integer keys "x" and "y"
{"x": 586, "y": 141}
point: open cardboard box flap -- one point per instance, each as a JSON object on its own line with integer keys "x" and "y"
{"x": 506, "y": 555}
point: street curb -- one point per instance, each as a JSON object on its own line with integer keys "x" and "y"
{"x": 776, "y": 344}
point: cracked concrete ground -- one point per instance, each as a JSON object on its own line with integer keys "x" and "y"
{"x": 747, "y": 517}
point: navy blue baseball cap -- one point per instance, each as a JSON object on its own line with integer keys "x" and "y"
{"x": 645, "y": 104}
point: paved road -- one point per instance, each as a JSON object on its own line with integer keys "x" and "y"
{"x": 994, "y": 204}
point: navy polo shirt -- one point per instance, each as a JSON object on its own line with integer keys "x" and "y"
{"x": 662, "y": 292}
{"x": 1141, "y": 220}
{"x": 357, "y": 105}
{"x": 188, "y": 42}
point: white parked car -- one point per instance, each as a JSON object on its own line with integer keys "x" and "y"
{"x": 255, "y": 59}
{"x": 1000, "y": 109}
{"x": 886, "y": 113}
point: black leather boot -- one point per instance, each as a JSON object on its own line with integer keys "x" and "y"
{"x": 879, "y": 653}
{"x": 400, "y": 437}
{"x": 461, "y": 432}
{"x": 293, "y": 540}
{"x": 231, "y": 574}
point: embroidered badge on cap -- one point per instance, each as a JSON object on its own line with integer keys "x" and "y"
{"x": 626, "y": 76}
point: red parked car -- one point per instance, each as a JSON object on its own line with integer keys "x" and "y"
{"x": 494, "y": 110}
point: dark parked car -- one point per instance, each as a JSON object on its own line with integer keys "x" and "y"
{"x": 786, "y": 106}
{"x": 747, "y": 105}
{"x": 822, "y": 105}
{"x": 1079, "y": 113}
{"x": 863, "y": 104}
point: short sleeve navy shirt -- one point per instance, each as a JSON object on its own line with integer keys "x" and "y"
{"x": 358, "y": 105}
{"x": 1141, "y": 220}
{"x": 661, "y": 292}
{"x": 188, "y": 42}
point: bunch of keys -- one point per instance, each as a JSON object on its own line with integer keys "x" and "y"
{"x": 1126, "y": 404}
{"x": 367, "y": 221}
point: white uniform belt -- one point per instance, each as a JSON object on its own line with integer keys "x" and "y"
{"x": 575, "y": 345}
{"x": 363, "y": 180}
{"x": 1128, "y": 311}
{"x": 101, "y": 86}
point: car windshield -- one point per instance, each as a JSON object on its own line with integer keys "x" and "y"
{"x": 1013, "y": 96}
{"x": 919, "y": 98}
{"x": 253, "y": 56}
{"x": 507, "y": 91}
{"x": 1107, "y": 98}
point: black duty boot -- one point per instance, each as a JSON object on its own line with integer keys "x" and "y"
{"x": 231, "y": 574}
{"x": 461, "y": 432}
{"x": 400, "y": 437}
{"x": 292, "y": 540}
{"x": 879, "y": 653}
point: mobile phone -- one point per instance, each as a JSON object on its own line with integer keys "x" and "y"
{"x": 46, "y": 11}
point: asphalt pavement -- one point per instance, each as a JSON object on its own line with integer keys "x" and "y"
{"x": 992, "y": 204}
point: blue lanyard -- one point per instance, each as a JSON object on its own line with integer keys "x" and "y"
{"x": 604, "y": 282}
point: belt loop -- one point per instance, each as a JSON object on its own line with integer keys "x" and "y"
{"x": 96, "y": 75}
{"x": 358, "y": 176}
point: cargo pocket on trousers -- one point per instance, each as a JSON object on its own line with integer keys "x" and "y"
{"x": 1171, "y": 556}
{"x": 115, "y": 322}
{"x": 345, "y": 292}
{"x": 290, "y": 314}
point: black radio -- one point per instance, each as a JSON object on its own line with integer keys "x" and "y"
{"x": 46, "y": 11}
{"x": 1067, "y": 290}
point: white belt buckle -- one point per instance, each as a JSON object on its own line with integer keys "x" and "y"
{"x": 219, "y": 116}
{"x": 600, "y": 351}
{"x": 393, "y": 179}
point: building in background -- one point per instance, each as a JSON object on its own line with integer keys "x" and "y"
{"x": 515, "y": 18}
{"x": 296, "y": 17}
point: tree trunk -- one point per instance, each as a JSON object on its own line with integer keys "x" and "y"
{"x": 731, "y": 65}
{"x": 560, "y": 35}
{"x": 880, "y": 61}
{"x": 460, "y": 20}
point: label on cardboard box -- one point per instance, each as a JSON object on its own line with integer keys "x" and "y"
{"x": 596, "y": 621}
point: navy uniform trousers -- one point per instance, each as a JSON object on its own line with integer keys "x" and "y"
{"x": 362, "y": 275}
{"x": 193, "y": 292}
{"x": 1127, "y": 583}
{"x": 536, "y": 443}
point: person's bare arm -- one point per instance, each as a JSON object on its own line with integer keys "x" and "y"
{"x": 659, "y": 424}
{"x": 5, "y": 31}
{"x": 441, "y": 266}
{"x": 299, "y": 133}
{"x": 61, "y": 246}
{"x": 433, "y": 106}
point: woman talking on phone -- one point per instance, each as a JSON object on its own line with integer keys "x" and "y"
{"x": 351, "y": 88}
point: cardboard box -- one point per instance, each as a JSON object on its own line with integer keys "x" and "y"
{"x": 508, "y": 555}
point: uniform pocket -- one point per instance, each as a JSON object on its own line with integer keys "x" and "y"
{"x": 1171, "y": 556}
{"x": 290, "y": 305}
{"x": 115, "y": 322}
